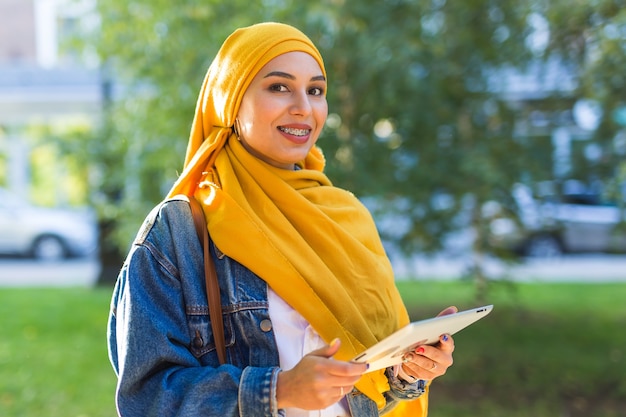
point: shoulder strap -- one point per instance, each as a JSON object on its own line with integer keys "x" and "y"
{"x": 210, "y": 276}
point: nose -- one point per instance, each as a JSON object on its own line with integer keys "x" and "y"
{"x": 301, "y": 105}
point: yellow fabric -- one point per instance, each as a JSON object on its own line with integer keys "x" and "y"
{"x": 314, "y": 244}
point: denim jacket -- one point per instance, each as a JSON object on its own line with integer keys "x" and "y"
{"x": 160, "y": 338}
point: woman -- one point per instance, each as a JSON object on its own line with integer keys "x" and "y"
{"x": 304, "y": 281}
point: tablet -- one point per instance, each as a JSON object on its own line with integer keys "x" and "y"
{"x": 389, "y": 351}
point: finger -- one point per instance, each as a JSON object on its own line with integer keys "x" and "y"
{"x": 419, "y": 367}
{"x": 424, "y": 368}
{"x": 431, "y": 357}
{"x": 417, "y": 360}
{"x": 446, "y": 343}
{"x": 440, "y": 353}
{"x": 327, "y": 351}
{"x": 344, "y": 390}
{"x": 449, "y": 310}
{"x": 352, "y": 370}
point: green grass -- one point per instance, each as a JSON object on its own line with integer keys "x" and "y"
{"x": 53, "y": 358}
{"x": 546, "y": 350}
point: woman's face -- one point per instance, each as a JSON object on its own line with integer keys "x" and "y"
{"x": 283, "y": 110}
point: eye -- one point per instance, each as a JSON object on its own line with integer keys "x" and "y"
{"x": 316, "y": 91}
{"x": 280, "y": 88}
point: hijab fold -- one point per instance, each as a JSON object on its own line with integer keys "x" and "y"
{"x": 314, "y": 244}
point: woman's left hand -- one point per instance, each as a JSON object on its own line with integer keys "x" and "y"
{"x": 429, "y": 362}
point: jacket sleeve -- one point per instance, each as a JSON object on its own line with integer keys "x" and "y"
{"x": 149, "y": 343}
{"x": 404, "y": 398}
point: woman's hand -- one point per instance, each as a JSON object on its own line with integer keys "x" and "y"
{"x": 318, "y": 380}
{"x": 430, "y": 362}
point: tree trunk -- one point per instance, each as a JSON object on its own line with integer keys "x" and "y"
{"x": 478, "y": 256}
{"x": 111, "y": 258}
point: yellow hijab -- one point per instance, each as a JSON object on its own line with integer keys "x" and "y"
{"x": 314, "y": 244}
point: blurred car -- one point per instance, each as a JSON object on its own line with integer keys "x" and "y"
{"x": 575, "y": 222}
{"x": 44, "y": 233}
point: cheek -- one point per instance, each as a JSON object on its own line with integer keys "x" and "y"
{"x": 321, "y": 114}
{"x": 244, "y": 115}
{"x": 264, "y": 113}
{"x": 252, "y": 109}
{"x": 250, "y": 120}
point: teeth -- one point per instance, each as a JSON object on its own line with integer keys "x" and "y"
{"x": 295, "y": 132}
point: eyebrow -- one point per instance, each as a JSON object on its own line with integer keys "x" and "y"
{"x": 291, "y": 77}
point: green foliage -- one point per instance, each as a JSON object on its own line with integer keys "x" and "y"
{"x": 419, "y": 67}
{"x": 423, "y": 69}
{"x": 418, "y": 119}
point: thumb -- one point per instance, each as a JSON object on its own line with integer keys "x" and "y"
{"x": 328, "y": 350}
{"x": 449, "y": 310}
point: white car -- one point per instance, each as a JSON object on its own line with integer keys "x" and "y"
{"x": 571, "y": 223}
{"x": 44, "y": 233}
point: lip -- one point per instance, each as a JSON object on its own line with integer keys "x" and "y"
{"x": 298, "y": 139}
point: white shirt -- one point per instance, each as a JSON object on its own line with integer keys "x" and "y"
{"x": 295, "y": 338}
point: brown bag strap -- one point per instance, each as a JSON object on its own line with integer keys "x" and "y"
{"x": 210, "y": 277}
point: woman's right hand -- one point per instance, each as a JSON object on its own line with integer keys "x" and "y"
{"x": 318, "y": 380}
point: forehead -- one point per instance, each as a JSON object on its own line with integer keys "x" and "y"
{"x": 294, "y": 63}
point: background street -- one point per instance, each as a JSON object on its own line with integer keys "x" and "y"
{"x": 25, "y": 272}
{"x": 568, "y": 268}
{"x": 592, "y": 268}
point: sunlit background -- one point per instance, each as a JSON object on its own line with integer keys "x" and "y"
{"x": 488, "y": 139}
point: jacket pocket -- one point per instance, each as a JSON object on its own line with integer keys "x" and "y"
{"x": 201, "y": 333}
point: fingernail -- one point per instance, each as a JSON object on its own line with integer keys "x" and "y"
{"x": 368, "y": 366}
{"x": 334, "y": 341}
{"x": 419, "y": 350}
{"x": 445, "y": 337}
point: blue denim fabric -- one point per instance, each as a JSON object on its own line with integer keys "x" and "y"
{"x": 160, "y": 338}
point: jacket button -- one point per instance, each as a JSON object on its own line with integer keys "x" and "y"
{"x": 197, "y": 341}
{"x": 266, "y": 325}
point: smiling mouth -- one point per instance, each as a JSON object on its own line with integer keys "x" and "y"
{"x": 295, "y": 132}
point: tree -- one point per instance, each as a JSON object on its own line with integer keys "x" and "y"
{"x": 154, "y": 56}
{"x": 420, "y": 125}
{"x": 418, "y": 121}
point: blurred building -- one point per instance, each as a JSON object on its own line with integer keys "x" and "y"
{"x": 558, "y": 125}
{"x": 42, "y": 82}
